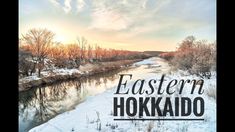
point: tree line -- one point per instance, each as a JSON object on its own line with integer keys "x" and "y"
{"x": 38, "y": 50}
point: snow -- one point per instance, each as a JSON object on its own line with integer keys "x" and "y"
{"x": 146, "y": 62}
{"x": 49, "y": 70}
{"x": 29, "y": 78}
{"x": 97, "y": 110}
{"x": 66, "y": 71}
{"x": 87, "y": 67}
{"x": 61, "y": 71}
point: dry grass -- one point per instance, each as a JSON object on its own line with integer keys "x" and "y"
{"x": 150, "y": 126}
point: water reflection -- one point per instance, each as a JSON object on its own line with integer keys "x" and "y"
{"x": 38, "y": 105}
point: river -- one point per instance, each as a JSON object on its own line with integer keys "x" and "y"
{"x": 41, "y": 104}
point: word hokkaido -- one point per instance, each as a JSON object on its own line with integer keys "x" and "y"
{"x": 158, "y": 99}
{"x": 183, "y": 106}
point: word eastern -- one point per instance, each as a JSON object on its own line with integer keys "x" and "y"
{"x": 153, "y": 105}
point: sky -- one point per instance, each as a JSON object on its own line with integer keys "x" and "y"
{"x": 122, "y": 24}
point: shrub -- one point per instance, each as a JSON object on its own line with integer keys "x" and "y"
{"x": 196, "y": 57}
{"x": 26, "y": 67}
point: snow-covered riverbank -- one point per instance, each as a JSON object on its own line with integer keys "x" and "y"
{"x": 96, "y": 113}
{"x": 53, "y": 75}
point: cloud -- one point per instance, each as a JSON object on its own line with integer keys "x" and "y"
{"x": 67, "y": 7}
{"x": 55, "y": 3}
{"x": 137, "y": 18}
{"x": 105, "y": 19}
{"x": 80, "y": 5}
{"x": 115, "y": 15}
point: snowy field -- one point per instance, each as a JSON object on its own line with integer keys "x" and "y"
{"x": 96, "y": 113}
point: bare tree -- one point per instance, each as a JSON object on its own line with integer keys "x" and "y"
{"x": 73, "y": 52}
{"x": 97, "y": 52}
{"x": 196, "y": 56}
{"x": 187, "y": 43}
{"x": 39, "y": 41}
{"x": 82, "y": 44}
{"x": 57, "y": 55}
{"x": 89, "y": 52}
